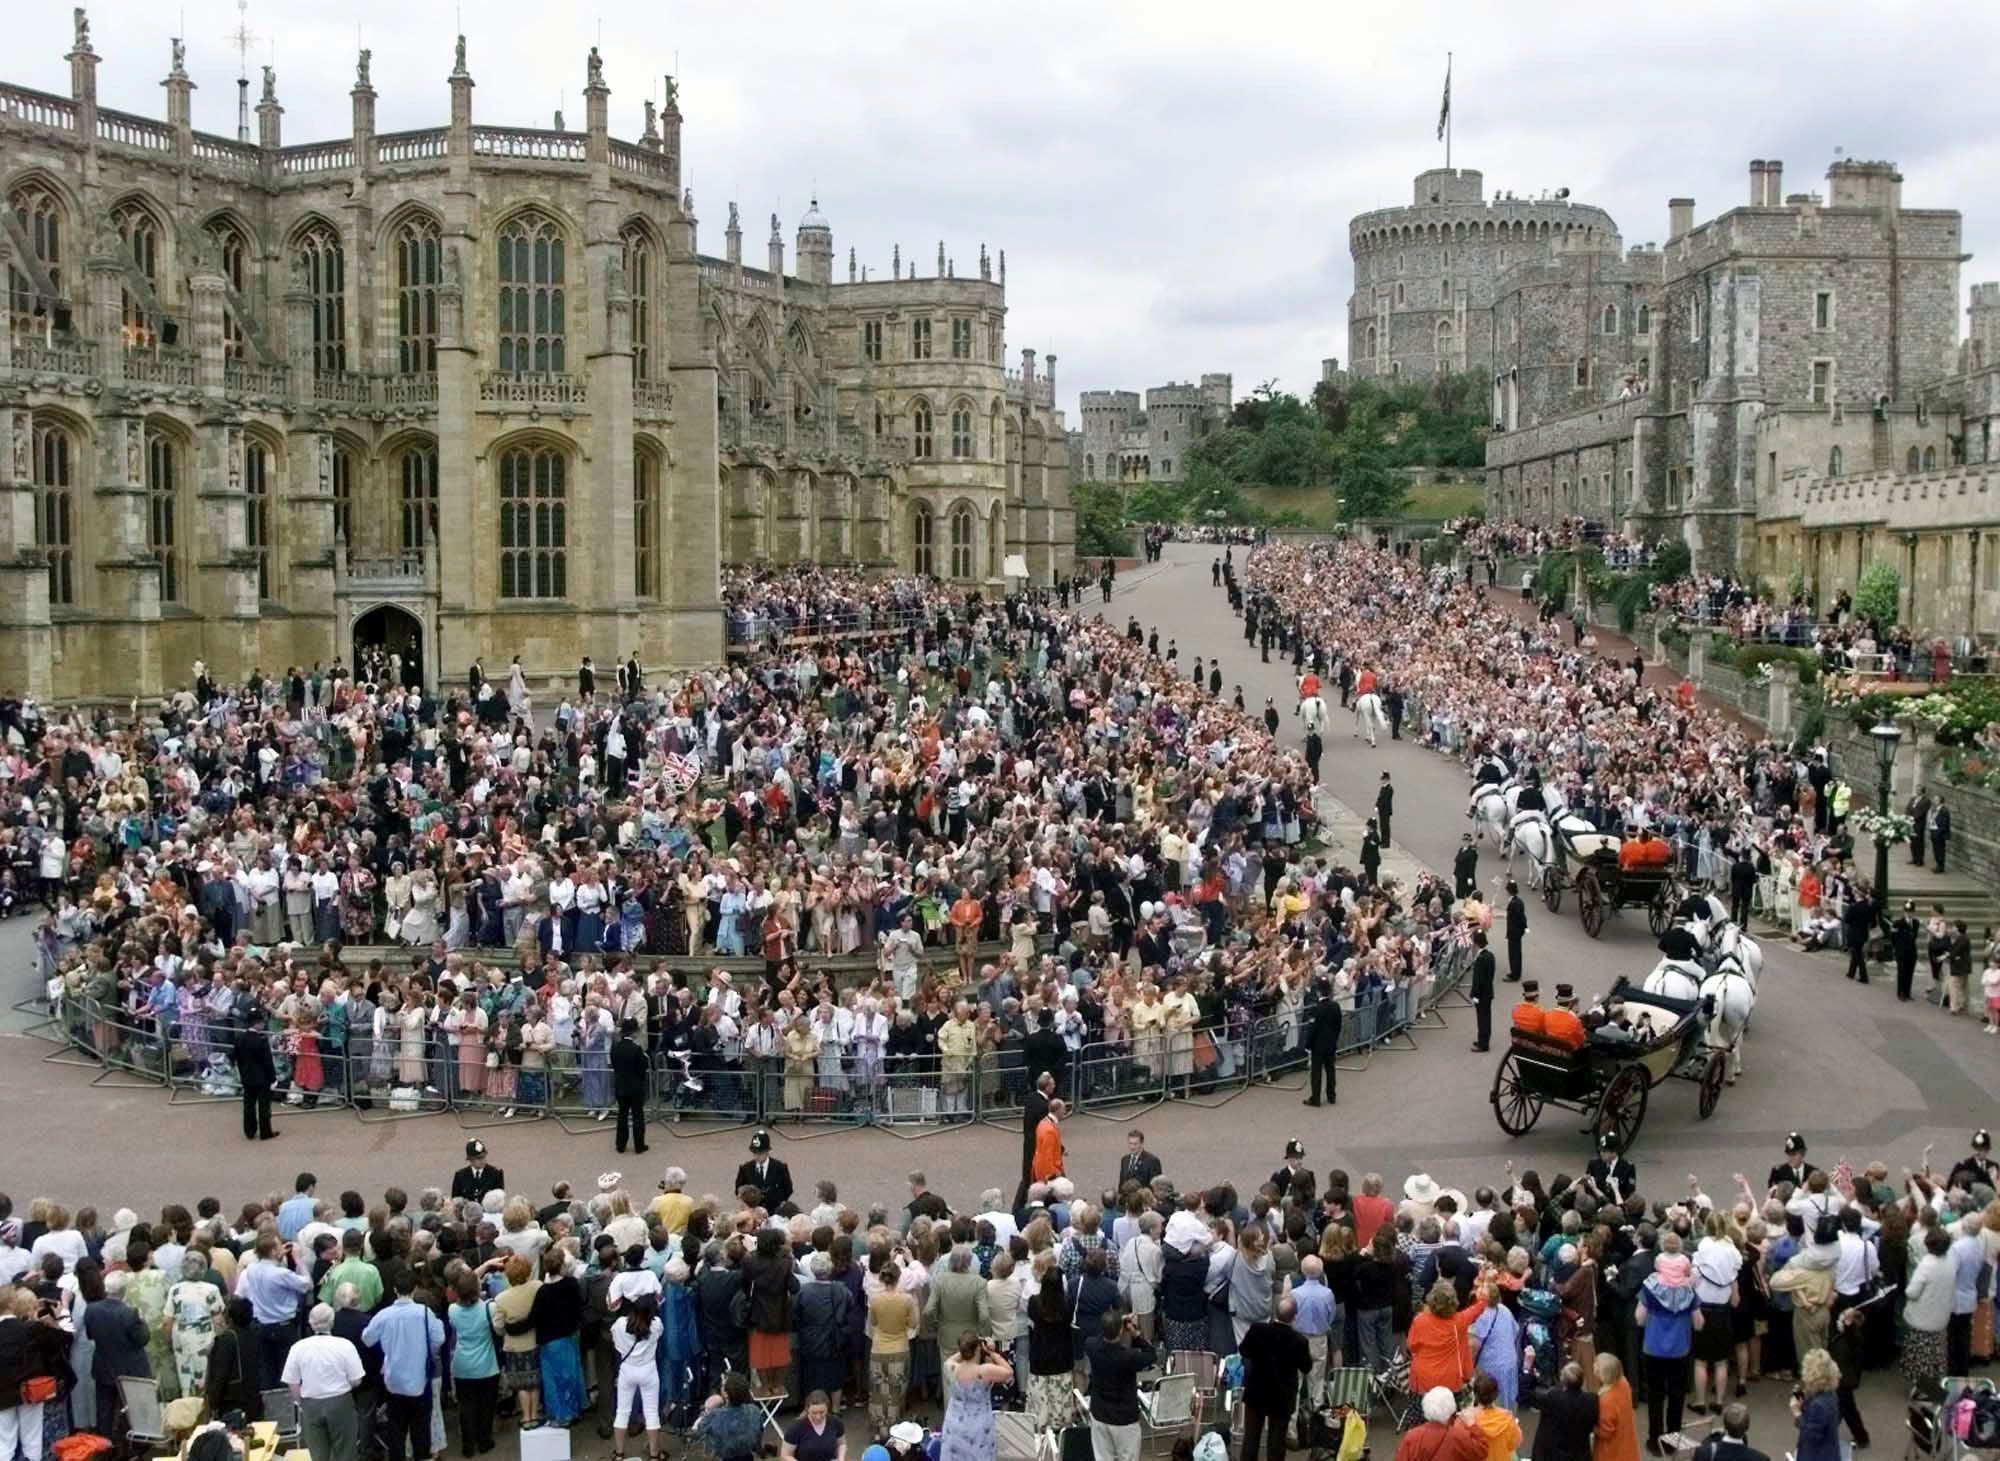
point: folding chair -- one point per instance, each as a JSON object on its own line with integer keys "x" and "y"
{"x": 144, "y": 1420}
{"x": 283, "y": 1412}
{"x": 1352, "y": 1386}
{"x": 1167, "y": 1410}
{"x": 770, "y": 1404}
{"x": 1016, "y": 1438}
{"x": 1205, "y": 1368}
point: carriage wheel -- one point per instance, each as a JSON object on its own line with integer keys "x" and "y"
{"x": 1712, "y": 1076}
{"x": 1660, "y": 912}
{"x": 1590, "y": 902}
{"x": 1515, "y": 1107}
{"x": 1552, "y": 889}
{"x": 1622, "y": 1108}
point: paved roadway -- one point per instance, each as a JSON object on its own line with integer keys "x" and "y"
{"x": 1862, "y": 1075}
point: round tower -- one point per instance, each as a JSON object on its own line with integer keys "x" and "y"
{"x": 815, "y": 246}
{"x": 1424, "y": 274}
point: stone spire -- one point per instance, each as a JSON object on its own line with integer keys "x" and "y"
{"x": 940, "y": 272}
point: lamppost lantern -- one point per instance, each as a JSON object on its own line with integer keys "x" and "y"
{"x": 1886, "y": 737}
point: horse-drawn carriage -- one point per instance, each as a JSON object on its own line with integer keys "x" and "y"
{"x": 1603, "y": 887}
{"x": 1609, "y": 1078}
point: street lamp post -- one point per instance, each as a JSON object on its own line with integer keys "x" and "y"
{"x": 1886, "y": 737}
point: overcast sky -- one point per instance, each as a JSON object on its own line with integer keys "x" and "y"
{"x": 1171, "y": 182}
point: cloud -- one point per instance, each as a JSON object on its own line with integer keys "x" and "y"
{"x": 1171, "y": 181}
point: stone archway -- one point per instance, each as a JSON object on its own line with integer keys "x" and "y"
{"x": 392, "y": 629}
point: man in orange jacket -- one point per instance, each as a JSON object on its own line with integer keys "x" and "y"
{"x": 1049, "y": 1145}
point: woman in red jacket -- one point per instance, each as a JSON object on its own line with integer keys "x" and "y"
{"x": 1439, "y": 1354}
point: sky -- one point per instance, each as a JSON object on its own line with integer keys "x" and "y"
{"x": 1171, "y": 182}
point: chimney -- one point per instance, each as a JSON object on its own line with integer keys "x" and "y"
{"x": 1756, "y": 182}
{"x": 1680, "y": 216}
{"x": 1028, "y": 375}
{"x": 1774, "y": 184}
{"x": 1049, "y": 375}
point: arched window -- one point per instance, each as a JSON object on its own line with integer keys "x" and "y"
{"x": 55, "y": 508}
{"x": 1930, "y": 459}
{"x": 419, "y": 497}
{"x": 257, "y": 509}
{"x": 880, "y": 423}
{"x": 961, "y": 542}
{"x": 1833, "y": 462}
{"x": 163, "y": 534}
{"x": 534, "y": 524}
{"x": 1913, "y": 461}
{"x": 323, "y": 269}
{"x": 961, "y": 431}
{"x": 232, "y": 249}
{"x": 920, "y": 429}
{"x": 1090, "y": 466}
{"x": 41, "y": 219}
{"x": 646, "y": 525}
{"x": 1611, "y": 319}
{"x": 1643, "y": 320}
{"x": 419, "y": 271}
{"x": 343, "y": 493}
{"x": 1444, "y": 339}
{"x": 532, "y": 273}
{"x": 1371, "y": 340}
{"x": 923, "y": 527}
{"x": 140, "y": 232}
{"x": 639, "y": 281}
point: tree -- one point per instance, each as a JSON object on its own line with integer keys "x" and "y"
{"x": 1878, "y": 595}
{"x": 1368, "y": 485}
{"x": 1100, "y": 521}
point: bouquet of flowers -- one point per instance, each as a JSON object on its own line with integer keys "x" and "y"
{"x": 1889, "y": 827}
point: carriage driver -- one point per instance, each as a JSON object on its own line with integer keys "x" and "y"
{"x": 1529, "y": 1017}
{"x": 1679, "y": 944}
{"x": 1561, "y": 1024}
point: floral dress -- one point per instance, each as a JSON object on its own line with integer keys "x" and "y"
{"x": 357, "y": 904}
{"x": 194, "y": 1305}
{"x": 146, "y": 1292}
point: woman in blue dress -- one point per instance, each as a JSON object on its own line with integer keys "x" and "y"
{"x": 680, "y": 1338}
{"x": 970, "y": 1375}
{"x": 729, "y": 931}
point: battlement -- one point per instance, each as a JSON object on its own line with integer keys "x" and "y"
{"x": 1986, "y": 296}
{"x": 1449, "y": 185}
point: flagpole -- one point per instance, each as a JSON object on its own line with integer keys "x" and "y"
{"x": 1447, "y": 111}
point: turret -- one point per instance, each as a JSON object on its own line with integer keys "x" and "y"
{"x": 815, "y": 247}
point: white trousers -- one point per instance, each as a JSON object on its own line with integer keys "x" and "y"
{"x": 643, "y": 1383}
{"x": 22, "y": 1423}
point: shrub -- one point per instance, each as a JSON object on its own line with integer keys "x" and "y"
{"x": 1672, "y": 562}
{"x": 1553, "y": 577}
{"x": 1749, "y": 656}
{"x": 1632, "y": 593}
{"x": 1812, "y": 725}
{"x": 1877, "y": 595}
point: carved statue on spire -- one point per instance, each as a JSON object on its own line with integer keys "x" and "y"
{"x": 673, "y": 95}
{"x": 361, "y": 68}
{"x": 82, "y": 20}
{"x": 270, "y": 84}
{"x": 595, "y": 68}
{"x": 458, "y": 57}
{"x": 774, "y": 227}
{"x": 687, "y": 201}
{"x": 652, "y": 131}
{"x": 614, "y": 278}
{"x": 735, "y": 225}
{"x": 180, "y": 55}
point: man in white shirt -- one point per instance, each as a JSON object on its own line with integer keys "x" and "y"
{"x": 321, "y": 1371}
{"x": 996, "y": 1213}
{"x": 903, "y": 951}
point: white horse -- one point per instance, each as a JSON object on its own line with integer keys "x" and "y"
{"x": 1488, "y": 807}
{"x": 1722, "y": 940}
{"x": 1534, "y": 838}
{"x": 1369, "y": 717}
{"x": 1676, "y": 979}
{"x": 1734, "y": 996}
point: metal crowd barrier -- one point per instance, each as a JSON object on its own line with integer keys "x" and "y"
{"x": 384, "y": 1081}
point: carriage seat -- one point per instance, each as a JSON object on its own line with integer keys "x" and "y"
{"x": 1585, "y": 843}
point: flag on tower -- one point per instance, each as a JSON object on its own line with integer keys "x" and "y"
{"x": 1444, "y": 111}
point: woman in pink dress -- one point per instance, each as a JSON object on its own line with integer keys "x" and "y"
{"x": 468, "y": 1023}
{"x": 501, "y": 1078}
{"x": 308, "y": 1076}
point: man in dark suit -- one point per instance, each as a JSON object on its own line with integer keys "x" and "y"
{"x": 1795, "y": 1168}
{"x": 766, "y": 1173}
{"x": 586, "y": 679}
{"x": 258, "y": 1072}
{"x": 1044, "y": 1050}
{"x": 630, "y": 1076}
{"x": 1482, "y": 990}
{"x": 1569, "y": 1413}
{"x": 1465, "y": 868}
{"x": 478, "y": 1176}
{"x": 1517, "y": 929}
{"x": 1903, "y": 936}
{"x": 1138, "y": 1164}
{"x": 1742, "y": 883}
{"x": 1732, "y": 1442}
{"x": 1385, "y": 806}
{"x": 1323, "y": 1039}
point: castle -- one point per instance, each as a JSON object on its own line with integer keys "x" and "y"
{"x": 1783, "y": 387}
{"x": 467, "y": 391}
{"x": 1122, "y": 442}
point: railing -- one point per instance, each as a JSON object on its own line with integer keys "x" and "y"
{"x": 409, "y": 390}
{"x": 404, "y": 568}
{"x": 38, "y": 108}
{"x": 411, "y": 146}
{"x": 744, "y": 628}
{"x": 726, "y": 275}
{"x": 548, "y": 388}
{"x": 62, "y": 355}
{"x": 246, "y": 378}
{"x": 225, "y": 152}
{"x": 317, "y": 157}
{"x": 629, "y": 157}
{"x": 652, "y": 398}
{"x": 129, "y": 131}
{"x": 529, "y": 142}
{"x": 343, "y": 387}
{"x": 161, "y": 367}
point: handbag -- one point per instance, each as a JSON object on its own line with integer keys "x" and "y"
{"x": 38, "y": 1389}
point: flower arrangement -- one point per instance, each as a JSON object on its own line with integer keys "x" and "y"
{"x": 1891, "y": 827}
